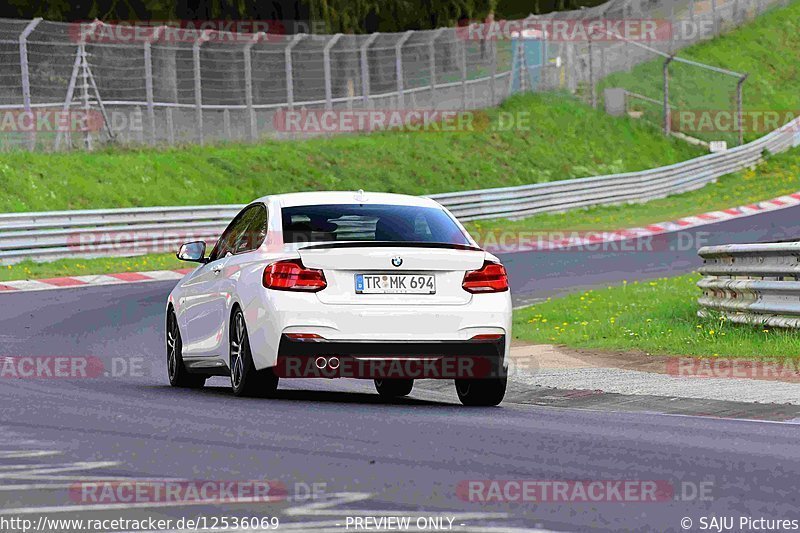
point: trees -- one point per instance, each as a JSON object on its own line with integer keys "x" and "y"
{"x": 345, "y": 16}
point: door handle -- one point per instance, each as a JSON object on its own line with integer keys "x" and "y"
{"x": 217, "y": 270}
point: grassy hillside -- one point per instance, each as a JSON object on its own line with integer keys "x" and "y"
{"x": 565, "y": 139}
{"x": 779, "y": 175}
{"x": 766, "y": 49}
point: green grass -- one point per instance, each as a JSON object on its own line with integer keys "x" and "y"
{"x": 83, "y": 267}
{"x": 779, "y": 175}
{"x": 658, "y": 317}
{"x": 766, "y": 49}
{"x": 566, "y": 139}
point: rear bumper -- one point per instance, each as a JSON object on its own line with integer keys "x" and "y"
{"x": 476, "y": 359}
{"x": 361, "y": 329}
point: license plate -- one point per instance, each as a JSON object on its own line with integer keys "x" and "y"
{"x": 395, "y": 284}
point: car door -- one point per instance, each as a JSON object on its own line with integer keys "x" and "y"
{"x": 205, "y": 304}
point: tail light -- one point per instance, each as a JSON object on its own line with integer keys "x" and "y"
{"x": 304, "y": 337}
{"x": 487, "y": 337}
{"x": 293, "y": 276}
{"x": 491, "y": 277}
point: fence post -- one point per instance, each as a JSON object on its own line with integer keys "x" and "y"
{"x": 148, "y": 82}
{"x": 739, "y": 117}
{"x": 87, "y": 135}
{"x": 289, "y": 72}
{"x": 592, "y": 88}
{"x": 432, "y": 62}
{"x": 170, "y": 127}
{"x": 463, "y": 72}
{"x": 714, "y": 16}
{"x": 25, "y": 75}
{"x": 148, "y": 91}
{"x": 398, "y": 65}
{"x": 493, "y": 66}
{"x": 672, "y": 27}
{"x": 198, "y": 86}
{"x": 68, "y": 100}
{"x": 248, "y": 85}
{"x": 226, "y": 124}
{"x": 365, "y": 85}
{"x": 326, "y": 66}
{"x": 667, "y": 121}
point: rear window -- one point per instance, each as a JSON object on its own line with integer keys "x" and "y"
{"x": 372, "y": 223}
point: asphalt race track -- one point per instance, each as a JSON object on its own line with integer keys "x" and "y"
{"x": 368, "y": 458}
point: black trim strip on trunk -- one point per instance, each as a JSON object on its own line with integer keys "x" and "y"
{"x": 391, "y": 244}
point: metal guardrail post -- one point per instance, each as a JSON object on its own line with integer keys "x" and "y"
{"x": 248, "y": 85}
{"x": 25, "y": 75}
{"x": 326, "y": 66}
{"x": 398, "y": 66}
{"x": 198, "y": 85}
{"x": 289, "y": 70}
{"x": 365, "y": 81}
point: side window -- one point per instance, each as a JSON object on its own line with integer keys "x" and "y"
{"x": 235, "y": 237}
{"x": 253, "y": 230}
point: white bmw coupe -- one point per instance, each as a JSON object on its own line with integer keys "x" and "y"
{"x": 340, "y": 284}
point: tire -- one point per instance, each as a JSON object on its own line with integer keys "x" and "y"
{"x": 176, "y": 370}
{"x": 394, "y": 388}
{"x": 245, "y": 379}
{"x": 481, "y": 392}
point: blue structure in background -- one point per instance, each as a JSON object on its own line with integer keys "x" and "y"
{"x": 529, "y": 54}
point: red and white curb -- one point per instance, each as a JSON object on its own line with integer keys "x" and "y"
{"x": 87, "y": 281}
{"x": 712, "y": 217}
{"x": 587, "y": 238}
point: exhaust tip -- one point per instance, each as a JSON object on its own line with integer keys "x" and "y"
{"x": 321, "y": 362}
{"x": 333, "y": 363}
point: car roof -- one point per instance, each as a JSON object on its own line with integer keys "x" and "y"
{"x": 348, "y": 197}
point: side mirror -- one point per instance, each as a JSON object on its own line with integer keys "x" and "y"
{"x": 193, "y": 251}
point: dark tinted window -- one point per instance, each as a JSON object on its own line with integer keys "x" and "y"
{"x": 376, "y": 223}
{"x": 246, "y": 232}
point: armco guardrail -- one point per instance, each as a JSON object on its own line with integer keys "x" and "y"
{"x": 95, "y": 233}
{"x": 752, "y": 283}
{"x": 108, "y": 232}
{"x": 526, "y": 200}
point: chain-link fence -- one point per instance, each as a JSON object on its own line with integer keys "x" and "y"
{"x": 153, "y": 88}
{"x": 681, "y": 96}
